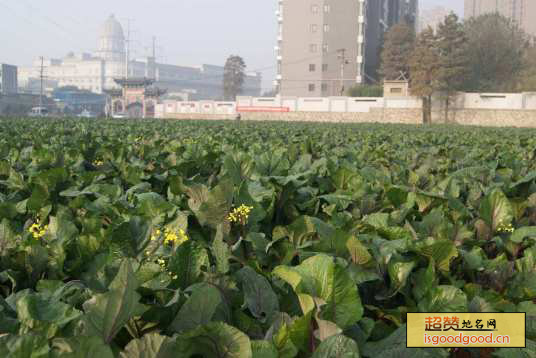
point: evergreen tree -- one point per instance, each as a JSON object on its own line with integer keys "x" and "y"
{"x": 233, "y": 77}
{"x": 398, "y": 45}
{"x": 424, "y": 67}
{"x": 453, "y": 60}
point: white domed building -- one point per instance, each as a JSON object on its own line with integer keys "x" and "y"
{"x": 93, "y": 72}
{"x": 111, "y": 41}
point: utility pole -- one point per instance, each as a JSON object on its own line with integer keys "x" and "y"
{"x": 154, "y": 58}
{"x": 41, "y": 77}
{"x": 342, "y": 57}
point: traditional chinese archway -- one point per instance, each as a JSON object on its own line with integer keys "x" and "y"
{"x": 136, "y": 98}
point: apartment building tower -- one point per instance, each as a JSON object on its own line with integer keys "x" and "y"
{"x": 8, "y": 79}
{"x": 522, "y": 11}
{"x": 327, "y": 46}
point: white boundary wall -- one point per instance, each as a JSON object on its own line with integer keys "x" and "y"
{"x": 492, "y": 101}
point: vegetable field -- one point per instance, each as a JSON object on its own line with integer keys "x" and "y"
{"x": 161, "y": 239}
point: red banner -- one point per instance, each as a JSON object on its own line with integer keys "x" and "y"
{"x": 262, "y": 109}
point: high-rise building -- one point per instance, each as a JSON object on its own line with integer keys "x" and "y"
{"x": 326, "y": 46}
{"x": 8, "y": 79}
{"x": 522, "y": 11}
{"x": 432, "y": 17}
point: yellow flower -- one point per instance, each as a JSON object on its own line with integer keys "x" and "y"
{"x": 98, "y": 163}
{"x": 37, "y": 230}
{"x": 505, "y": 228}
{"x": 175, "y": 238}
{"x": 240, "y": 214}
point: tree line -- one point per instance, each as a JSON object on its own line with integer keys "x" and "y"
{"x": 489, "y": 53}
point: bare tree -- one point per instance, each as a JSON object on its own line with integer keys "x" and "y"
{"x": 424, "y": 66}
{"x": 496, "y": 50}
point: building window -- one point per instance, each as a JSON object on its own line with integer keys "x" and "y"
{"x": 325, "y": 48}
{"x": 313, "y": 48}
{"x": 314, "y": 28}
{"x": 314, "y": 9}
{"x": 311, "y": 87}
{"x": 327, "y": 8}
{"x": 326, "y": 28}
{"x": 312, "y": 67}
{"x": 324, "y": 87}
{"x": 324, "y": 67}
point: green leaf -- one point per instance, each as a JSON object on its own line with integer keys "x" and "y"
{"x": 132, "y": 237}
{"x": 343, "y": 177}
{"x": 151, "y": 345}
{"x": 15, "y": 181}
{"x": 442, "y": 252}
{"x": 380, "y": 222}
{"x": 217, "y": 340}
{"x": 211, "y": 207}
{"x": 424, "y": 281}
{"x": 38, "y": 199}
{"x": 358, "y": 251}
{"x": 474, "y": 259}
{"x": 306, "y": 227}
{"x": 152, "y": 205}
{"x": 107, "y": 313}
{"x": 38, "y": 312}
{"x": 80, "y": 347}
{"x": 478, "y": 304}
{"x": 7, "y": 236}
{"x": 8, "y": 210}
{"x": 325, "y": 328}
{"x": 320, "y": 277}
{"x": 283, "y": 341}
{"x": 520, "y": 234}
{"x": 399, "y": 273}
{"x": 259, "y": 295}
{"x": 201, "y": 308}
{"x": 397, "y": 196}
{"x": 264, "y": 349}
{"x": 338, "y": 346}
{"x": 187, "y": 263}
{"x": 26, "y": 346}
{"x": 444, "y": 299}
{"x": 496, "y": 209}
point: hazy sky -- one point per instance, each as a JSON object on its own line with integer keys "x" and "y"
{"x": 188, "y": 32}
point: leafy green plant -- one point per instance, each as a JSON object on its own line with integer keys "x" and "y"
{"x": 159, "y": 239}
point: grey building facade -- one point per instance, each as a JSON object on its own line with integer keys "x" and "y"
{"x": 522, "y": 11}
{"x": 8, "y": 79}
{"x": 327, "y": 46}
